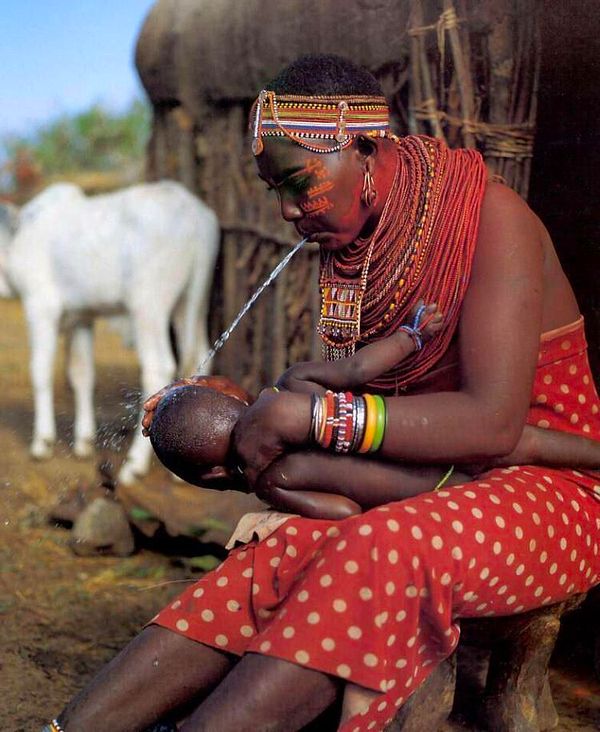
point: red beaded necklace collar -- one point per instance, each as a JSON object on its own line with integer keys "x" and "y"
{"x": 422, "y": 248}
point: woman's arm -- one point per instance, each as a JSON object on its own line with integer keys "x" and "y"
{"x": 498, "y": 339}
{"x": 539, "y": 446}
{"x": 499, "y": 335}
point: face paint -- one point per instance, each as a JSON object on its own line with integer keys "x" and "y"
{"x": 317, "y": 202}
{"x": 319, "y": 193}
{"x": 320, "y": 189}
{"x": 316, "y": 207}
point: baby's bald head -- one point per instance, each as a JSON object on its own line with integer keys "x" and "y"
{"x": 191, "y": 430}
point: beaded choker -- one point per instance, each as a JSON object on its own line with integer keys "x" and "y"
{"x": 422, "y": 249}
{"x": 306, "y": 119}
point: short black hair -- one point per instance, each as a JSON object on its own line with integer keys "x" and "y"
{"x": 191, "y": 425}
{"x": 325, "y": 74}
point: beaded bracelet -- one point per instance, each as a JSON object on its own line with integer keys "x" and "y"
{"x": 54, "y": 726}
{"x": 347, "y": 422}
{"x": 413, "y": 330}
{"x": 415, "y": 335}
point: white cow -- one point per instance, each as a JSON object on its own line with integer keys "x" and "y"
{"x": 147, "y": 251}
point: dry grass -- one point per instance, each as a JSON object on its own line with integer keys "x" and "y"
{"x": 64, "y": 617}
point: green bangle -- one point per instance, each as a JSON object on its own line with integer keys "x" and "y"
{"x": 380, "y": 425}
{"x": 445, "y": 479}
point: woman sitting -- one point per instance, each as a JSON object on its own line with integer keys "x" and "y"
{"x": 372, "y": 603}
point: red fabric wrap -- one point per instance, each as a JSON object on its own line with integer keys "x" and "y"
{"x": 376, "y": 598}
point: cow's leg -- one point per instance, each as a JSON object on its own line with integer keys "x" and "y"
{"x": 81, "y": 378}
{"x": 190, "y": 320}
{"x": 157, "y": 369}
{"x": 42, "y": 323}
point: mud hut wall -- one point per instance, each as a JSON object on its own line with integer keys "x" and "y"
{"x": 215, "y": 161}
{"x": 448, "y": 59}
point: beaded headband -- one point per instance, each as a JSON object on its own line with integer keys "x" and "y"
{"x": 307, "y": 118}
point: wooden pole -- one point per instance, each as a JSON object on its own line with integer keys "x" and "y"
{"x": 463, "y": 76}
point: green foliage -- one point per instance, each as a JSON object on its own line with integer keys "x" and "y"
{"x": 208, "y": 524}
{"x": 204, "y": 563}
{"x": 93, "y": 140}
{"x": 141, "y": 514}
{"x": 131, "y": 568}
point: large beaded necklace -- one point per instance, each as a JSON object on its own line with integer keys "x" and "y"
{"x": 422, "y": 248}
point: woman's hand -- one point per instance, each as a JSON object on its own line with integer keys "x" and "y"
{"x": 274, "y": 422}
{"x": 219, "y": 383}
{"x": 300, "y": 378}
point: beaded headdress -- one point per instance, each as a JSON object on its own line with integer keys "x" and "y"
{"x": 306, "y": 119}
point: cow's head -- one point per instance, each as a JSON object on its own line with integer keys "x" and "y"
{"x": 9, "y": 222}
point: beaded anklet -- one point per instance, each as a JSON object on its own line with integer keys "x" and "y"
{"x": 54, "y": 726}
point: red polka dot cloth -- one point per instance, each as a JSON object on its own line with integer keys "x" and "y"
{"x": 376, "y": 598}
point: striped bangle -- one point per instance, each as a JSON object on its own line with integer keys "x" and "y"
{"x": 358, "y": 405}
{"x": 344, "y": 422}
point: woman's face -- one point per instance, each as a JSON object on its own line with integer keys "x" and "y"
{"x": 319, "y": 192}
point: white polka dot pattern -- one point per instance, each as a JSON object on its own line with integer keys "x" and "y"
{"x": 347, "y": 597}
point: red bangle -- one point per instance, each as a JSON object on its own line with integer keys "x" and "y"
{"x": 329, "y": 418}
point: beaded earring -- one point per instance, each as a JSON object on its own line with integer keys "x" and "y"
{"x": 368, "y": 195}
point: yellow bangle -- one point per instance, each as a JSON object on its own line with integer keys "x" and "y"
{"x": 370, "y": 423}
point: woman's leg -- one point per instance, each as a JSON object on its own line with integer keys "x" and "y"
{"x": 265, "y": 693}
{"x": 356, "y": 700}
{"x": 158, "y": 672}
{"x": 375, "y": 599}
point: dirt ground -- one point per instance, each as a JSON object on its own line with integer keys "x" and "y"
{"x": 63, "y": 617}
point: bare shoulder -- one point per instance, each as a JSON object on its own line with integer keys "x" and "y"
{"x": 507, "y": 225}
{"x": 501, "y": 202}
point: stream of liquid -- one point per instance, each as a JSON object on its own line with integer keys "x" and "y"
{"x": 222, "y": 339}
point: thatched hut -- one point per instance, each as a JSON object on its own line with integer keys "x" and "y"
{"x": 464, "y": 70}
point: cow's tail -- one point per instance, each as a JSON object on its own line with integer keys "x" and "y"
{"x": 193, "y": 334}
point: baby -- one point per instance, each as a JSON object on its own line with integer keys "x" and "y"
{"x": 192, "y": 425}
{"x": 191, "y": 422}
